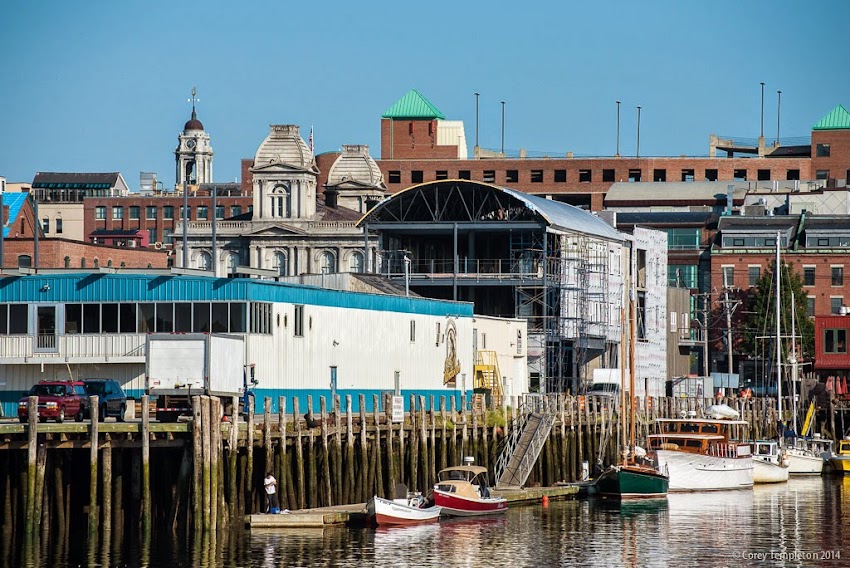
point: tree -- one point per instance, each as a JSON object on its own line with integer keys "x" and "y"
{"x": 760, "y": 329}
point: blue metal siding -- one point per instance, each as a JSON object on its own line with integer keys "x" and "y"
{"x": 81, "y": 287}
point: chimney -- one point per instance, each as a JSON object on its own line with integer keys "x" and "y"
{"x": 331, "y": 198}
{"x": 730, "y": 194}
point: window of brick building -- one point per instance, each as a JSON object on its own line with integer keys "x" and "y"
{"x": 711, "y": 175}
{"x": 792, "y": 174}
{"x": 835, "y": 341}
{"x": 536, "y": 176}
{"x": 835, "y": 303}
{"x": 687, "y": 175}
{"x": 100, "y": 212}
{"x": 134, "y": 212}
{"x": 394, "y": 176}
{"x": 416, "y": 176}
{"x": 117, "y": 213}
{"x": 150, "y": 212}
{"x": 808, "y": 276}
{"x": 608, "y": 175}
{"x": 659, "y": 175}
{"x": 235, "y": 210}
{"x": 634, "y": 175}
{"x": 837, "y": 275}
{"x": 753, "y": 275}
{"x": 442, "y": 174}
{"x": 585, "y": 176}
{"x": 168, "y": 212}
{"x": 810, "y": 306}
{"x": 512, "y": 176}
{"x": 728, "y": 276}
{"x": 740, "y": 175}
{"x": 560, "y": 176}
{"x": 822, "y": 174}
{"x": 152, "y": 235}
{"x": 489, "y": 176}
{"x": 463, "y": 174}
{"x": 764, "y": 175}
{"x": 822, "y": 151}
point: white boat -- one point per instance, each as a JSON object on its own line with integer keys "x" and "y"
{"x": 807, "y": 456}
{"x": 701, "y": 454}
{"x": 402, "y": 511}
{"x": 769, "y": 462}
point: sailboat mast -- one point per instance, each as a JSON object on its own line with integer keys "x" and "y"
{"x": 632, "y": 326}
{"x": 793, "y": 362}
{"x": 778, "y": 333}
{"x": 625, "y": 452}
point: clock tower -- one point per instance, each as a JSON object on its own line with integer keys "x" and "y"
{"x": 194, "y": 153}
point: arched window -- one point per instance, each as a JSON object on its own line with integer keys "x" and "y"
{"x": 327, "y": 262}
{"x": 281, "y": 263}
{"x": 109, "y": 262}
{"x": 205, "y": 261}
{"x": 24, "y": 261}
{"x": 281, "y": 202}
{"x": 96, "y": 263}
{"x": 67, "y": 262}
{"x": 123, "y": 264}
{"x": 356, "y": 262}
{"x": 83, "y": 262}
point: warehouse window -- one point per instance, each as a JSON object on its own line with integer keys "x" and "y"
{"x": 585, "y": 176}
{"x": 299, "y": 321}
{"x": 560, "y": 176}
{"x": 512, "y": 176}
{"x": 394, "y": 176}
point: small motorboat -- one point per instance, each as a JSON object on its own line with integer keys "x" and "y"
{"x": 841, "y": 459}
{"x": 412, "y": 509}
{"x": 770, "y": 464}
{"x": 463, "y": 491}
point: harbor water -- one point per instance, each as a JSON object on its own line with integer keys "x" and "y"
{"x": 805, "y": 522}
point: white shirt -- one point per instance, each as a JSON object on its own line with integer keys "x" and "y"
{"x": 270, "y": 483}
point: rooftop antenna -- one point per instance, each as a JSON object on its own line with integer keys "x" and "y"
{"x": 617, "y": 155}
{"x": 637, "y": 153}
{"x": 762, "y": 109}
{"x": 778, "y": 105}
{"x": 503, "y": 129}
{"x": 476, "y": 119}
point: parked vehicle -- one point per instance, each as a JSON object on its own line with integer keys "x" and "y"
{"x": 56, "y": 401}
{"x": 182, "y": 365}
{"x": 111, "y": 398}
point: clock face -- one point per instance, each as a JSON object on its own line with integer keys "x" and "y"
{"x": 190, "y": 144}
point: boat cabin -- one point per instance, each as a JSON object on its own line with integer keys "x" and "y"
{"x": 466, "y": 480}
{"x": 844, "y": 447}
{"x": 700, "y": 436}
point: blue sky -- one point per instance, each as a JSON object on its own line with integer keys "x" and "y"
{"x": 103, "y": 85}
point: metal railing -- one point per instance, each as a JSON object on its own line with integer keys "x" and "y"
{"x": 533, "y": 406}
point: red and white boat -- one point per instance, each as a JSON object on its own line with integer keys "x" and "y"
{"x": 406, "y": 511}
{"x": 463, "y": 491}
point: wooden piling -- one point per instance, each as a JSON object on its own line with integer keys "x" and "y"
{"x": 215, "y": 444}
{"x": 379, "y": 466}
{"x": 337, "y": 452}
{"x": 443, "y": 444}
{"x": 414, "y": 449}
{"x": 326, "y": 456}
{"x": 391, "y": 467}
{"x": 312, "y": 482}
{"x": 249, "y": 473}
{"x": 432, "y": 451}
{"x": 106, "y": 484}
{"x": 281, "y": 472}
{"x": 146, "y": 468}
{"x": 267, "y": 435}
{"x": 299, "y": 456}
{"x": 206, "y": 482}
{"x": 232, "y": 453}
{"x": 197, "y": 465}
{"x": 364, "y": 486}
{"x": 93, "y": 466}
{"x": 350, "y": 478}
{"x": 32, "y": 448}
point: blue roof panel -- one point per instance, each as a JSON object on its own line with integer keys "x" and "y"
{"x": 96, "y": 287}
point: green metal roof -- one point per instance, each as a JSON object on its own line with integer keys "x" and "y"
{"x": 413, "y": 105}
{"x": 837, "y": 119}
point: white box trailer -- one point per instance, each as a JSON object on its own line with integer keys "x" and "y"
{"x": 179, "y": 366}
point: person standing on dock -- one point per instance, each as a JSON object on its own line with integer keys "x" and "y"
{"x": 270, "y": 484}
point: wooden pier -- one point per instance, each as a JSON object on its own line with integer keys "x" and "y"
{"x": 205, "y": 473}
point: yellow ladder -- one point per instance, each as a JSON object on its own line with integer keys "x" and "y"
{"x": 487, "y": 375}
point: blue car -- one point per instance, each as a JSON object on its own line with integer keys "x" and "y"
{"x": 111, "y": 398}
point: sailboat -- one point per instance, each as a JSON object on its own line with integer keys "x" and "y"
{"x": 635, "y": 477}
{"x": 770, "y": 464}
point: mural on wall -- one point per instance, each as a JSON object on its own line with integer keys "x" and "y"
{"x": 452, "y": 365}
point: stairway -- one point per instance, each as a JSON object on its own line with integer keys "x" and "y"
{"x": 523, "y": 446}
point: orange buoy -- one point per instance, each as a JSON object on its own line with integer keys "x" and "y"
{"x": 545, "y": 500}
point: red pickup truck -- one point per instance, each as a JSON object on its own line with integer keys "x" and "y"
{"x": 56, "y": 400}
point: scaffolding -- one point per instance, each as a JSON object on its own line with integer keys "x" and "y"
{"x": 575, "y": 312}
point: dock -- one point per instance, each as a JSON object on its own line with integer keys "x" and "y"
{"x": 356, "y": 514}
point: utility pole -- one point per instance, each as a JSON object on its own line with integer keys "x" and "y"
{"x": 706, "y": 303}
{"x": 729, "y": 306}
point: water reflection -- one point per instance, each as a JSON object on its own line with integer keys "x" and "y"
{"x": 766, "y": 525}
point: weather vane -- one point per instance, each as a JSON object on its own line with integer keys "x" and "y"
{"x": 194, "y": 99}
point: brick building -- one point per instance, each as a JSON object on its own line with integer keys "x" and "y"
{"x": 411, "y": 154}
{"x": 65, "y": 253}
